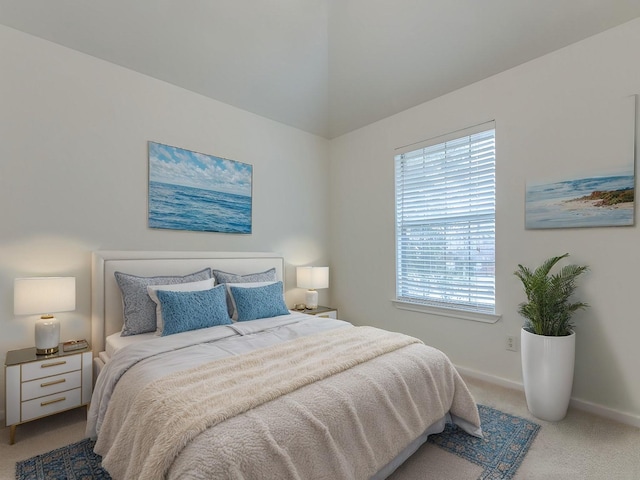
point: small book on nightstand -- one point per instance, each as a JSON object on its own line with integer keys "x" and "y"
{"x": 73, "y": 345}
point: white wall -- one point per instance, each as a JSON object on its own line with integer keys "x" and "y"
{"x": 555, "y": 116}
{"x": 73, "y": 178}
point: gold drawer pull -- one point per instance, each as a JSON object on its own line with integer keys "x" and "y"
{"x": 56, "y": 382}
{"x": 46, "y": 365}
{"x": 44, "y": 404}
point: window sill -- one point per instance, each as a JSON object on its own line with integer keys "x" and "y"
{"x": 447, "y": 312}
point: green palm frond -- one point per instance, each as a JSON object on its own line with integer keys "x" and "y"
{"x": 548, "y": 310}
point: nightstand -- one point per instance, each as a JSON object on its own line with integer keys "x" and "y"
{"x": 37, "y": 386}
{"x": 325, "y": 312}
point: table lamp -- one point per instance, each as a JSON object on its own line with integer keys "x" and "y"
{"x": 44, "y": 296}
{"x": 312, "y": 278}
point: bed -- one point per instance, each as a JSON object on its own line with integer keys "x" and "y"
{"x": 263, "y": 393}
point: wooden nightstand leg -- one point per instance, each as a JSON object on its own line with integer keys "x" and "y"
{"x": 12, "y": 434}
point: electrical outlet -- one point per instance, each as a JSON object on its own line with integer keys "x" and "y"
{"x": 511, "y": 343}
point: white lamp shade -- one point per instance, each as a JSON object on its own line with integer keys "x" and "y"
{"x": 42, "y": 295}
{"x": 312, "y": 277}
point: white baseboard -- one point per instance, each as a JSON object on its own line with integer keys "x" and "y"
{"x": 503, "y": 382}
{"x": 596, "y": 409}
{"x": 610, "y": 413}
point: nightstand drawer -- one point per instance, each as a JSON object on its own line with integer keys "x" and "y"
{"x": 331, "y": 314}
{"x": 50, "y": 385}
{"x": 43, "y": 406}
{"x": 50, "y": 367}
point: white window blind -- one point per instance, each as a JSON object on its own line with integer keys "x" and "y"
{"x": 445, "y": 223}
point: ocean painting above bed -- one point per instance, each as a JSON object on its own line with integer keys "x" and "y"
{"x": 198, "y": 192}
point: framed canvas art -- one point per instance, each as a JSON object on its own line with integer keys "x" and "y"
{"x": 198, "y": 192}
{"x": 599, "y": 200}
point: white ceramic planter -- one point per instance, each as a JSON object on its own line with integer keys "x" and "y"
{"x": 547, "y": 372}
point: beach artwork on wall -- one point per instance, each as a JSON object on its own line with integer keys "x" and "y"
{"x": 198, "y": 192}
{"x": 598, "y": 200}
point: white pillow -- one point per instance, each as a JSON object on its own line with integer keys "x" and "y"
{"x": 234, "y": 313}
{"x": 179, "y": 287}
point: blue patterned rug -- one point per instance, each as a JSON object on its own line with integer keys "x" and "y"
{"x": 507, "y": 440}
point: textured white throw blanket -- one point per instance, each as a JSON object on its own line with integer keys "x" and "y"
{"x": 145, "y": 431}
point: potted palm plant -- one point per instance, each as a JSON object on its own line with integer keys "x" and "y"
{"x": 547, "y": 337}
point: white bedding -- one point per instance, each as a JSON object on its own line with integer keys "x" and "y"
{"x": 189, "y": 349}
{"x": 142, "y": 363}
{"x": 115, "y": 341}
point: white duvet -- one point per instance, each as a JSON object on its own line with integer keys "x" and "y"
{"x": 371, "y": 411}
{"x": 164, "y": 355}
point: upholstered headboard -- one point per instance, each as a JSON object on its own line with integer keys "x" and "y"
{"x": 106, "y": 301}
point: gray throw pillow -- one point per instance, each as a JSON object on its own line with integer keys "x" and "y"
{"x": 139, "y": 311}
{"x": 225, "y": 277}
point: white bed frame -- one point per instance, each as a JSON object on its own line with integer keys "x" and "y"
{"x": 106, "y": 300}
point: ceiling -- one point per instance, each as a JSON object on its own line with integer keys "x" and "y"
{"x": 324, "y": 66}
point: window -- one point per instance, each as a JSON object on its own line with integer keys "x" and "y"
{"x": 445, "y": 222}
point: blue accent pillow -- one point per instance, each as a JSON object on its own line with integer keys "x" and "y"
{"x": 259, "y": 302}
{"x": 226, "y": 277}
{"x": 184, "y": 311}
